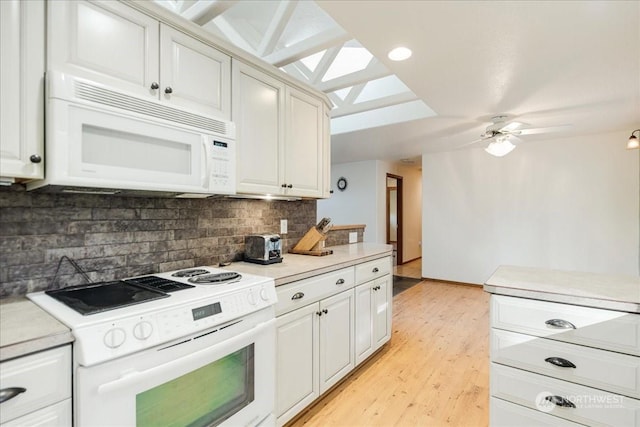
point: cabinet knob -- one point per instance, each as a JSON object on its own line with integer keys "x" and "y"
{"x": 289, "y": 186}
{"x": 10, "y": 393}
{"x": 168, "y": 90}
{"x": 297, "y": 295}
{"x": 284, "y": 186}
{"x": 325, "y": 311}
{"x": 155, "y": 85}
{"x": 340, "y": 282}
{"x": 35, "y": 158}
{"x": 375, "y": 270}
{"x": 319, "y": 313}
{"x": 560, "y": 324}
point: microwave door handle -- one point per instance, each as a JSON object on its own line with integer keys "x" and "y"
{"x": 206, "y": 163}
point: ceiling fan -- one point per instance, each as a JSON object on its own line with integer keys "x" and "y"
{"x": 502, "y": 134}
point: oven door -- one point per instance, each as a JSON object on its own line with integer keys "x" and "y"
{"x": 218, "y": 377}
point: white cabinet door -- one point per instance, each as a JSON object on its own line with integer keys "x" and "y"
{"x": 297, "y": 361}
{"x": 373, "y": 316}
{"x": 258, "y": 112}
{"x": 382, "y": 301}
{"x": 105, "y": 41}
{"x": 194, "y": 74}
{"x": 304, "y": 148}
{"x": 364, "y": 321}
{"x": 326, "y": 157}
{"x": 22, "y": 54}
{"x": 336, "y": 338}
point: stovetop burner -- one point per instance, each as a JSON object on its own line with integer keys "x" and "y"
{"x": 155, "y": 282}
{"x": 215, "y": 278}
{"x": 190, "y": 273}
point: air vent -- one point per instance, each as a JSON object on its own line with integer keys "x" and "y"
{"x": 111, "y": 98}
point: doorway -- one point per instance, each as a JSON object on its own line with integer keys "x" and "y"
{"x": 394, "y": 216}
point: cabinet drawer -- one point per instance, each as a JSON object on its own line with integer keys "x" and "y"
{"x": 605, "y": 329}
{"x": 372, "y": 269}
{"x": 58, "y": 415}
{"x": 303, "y": 292}
{"x": 589, "y": 405}
{"x": 506, "y": 414}
{"x": 616, "y": 372}
{"x": 45, "y": 376}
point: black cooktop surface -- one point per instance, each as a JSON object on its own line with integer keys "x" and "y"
{"x": 158, "y": 283}
{"x": 104, "y": 296}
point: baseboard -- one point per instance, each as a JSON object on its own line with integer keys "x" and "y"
{"x": 451, "y": 282}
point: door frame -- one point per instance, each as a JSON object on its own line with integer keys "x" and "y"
{"x": 398, "y": 179}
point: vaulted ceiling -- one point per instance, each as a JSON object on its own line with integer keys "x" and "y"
{"x": 543, "y": 63}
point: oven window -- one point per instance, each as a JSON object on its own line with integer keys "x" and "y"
{"x": 204, "y": 397}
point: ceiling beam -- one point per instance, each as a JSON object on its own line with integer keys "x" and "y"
{"x": 324, "y": 64}
{"x": 276, "y": 27}
{"x": 308, "y": 46}
{"x": 374, "y": 71}
{"x": 203, "y": 11}
{"x": 353, "y": 93}
{"x": 374, "y": 104}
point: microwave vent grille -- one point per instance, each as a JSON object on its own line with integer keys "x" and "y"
{"x": 100, "y": 95}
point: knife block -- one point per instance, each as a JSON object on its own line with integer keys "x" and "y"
{"x": 311, "y": 244}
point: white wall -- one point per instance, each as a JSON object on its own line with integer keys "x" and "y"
{"x": 569, "y": 204}
{"x": 364, "y": 200}
{"x": 358, "y": 203}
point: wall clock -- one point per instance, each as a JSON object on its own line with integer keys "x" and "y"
{"x": 342, "y": 183}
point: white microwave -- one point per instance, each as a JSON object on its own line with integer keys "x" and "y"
{"x": 103, "y": 140}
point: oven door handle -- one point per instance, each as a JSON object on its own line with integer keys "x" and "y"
{"x": 133, "y": 377}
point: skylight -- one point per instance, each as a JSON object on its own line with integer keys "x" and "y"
{"x": 349, "y": 60}
{"x": 306, "y": 43}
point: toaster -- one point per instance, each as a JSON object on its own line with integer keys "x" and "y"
{"x": 263, "y": 248}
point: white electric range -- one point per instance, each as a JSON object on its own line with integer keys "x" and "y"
{"x": 206, "y": 332}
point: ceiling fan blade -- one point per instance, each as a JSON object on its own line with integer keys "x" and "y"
{"x": 536, "y": 131}
{"x": 474, "y": 142}
{"x": 511, "y": 126}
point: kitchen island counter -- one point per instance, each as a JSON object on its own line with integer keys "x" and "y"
{"x": 612, "y": 292}
{"x": 297, "y": 267}
{"x": 25, "y": 328}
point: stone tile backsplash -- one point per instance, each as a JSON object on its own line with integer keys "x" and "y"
{"x": 114, "y": 237}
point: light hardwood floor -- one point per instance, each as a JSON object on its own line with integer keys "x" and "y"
{"x": 433, "y": 372}
{"x": 411, "y": 269}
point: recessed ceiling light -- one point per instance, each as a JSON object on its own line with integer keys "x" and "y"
{"x": 400, "y": 53}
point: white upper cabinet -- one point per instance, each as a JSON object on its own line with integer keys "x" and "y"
{"x": 22, "y": 55}
{"x": 193, "y": 74}
{"x": 281, "y": 138}
{"x": 304, "y": 148}
{"x": 258, "y": 112}
{"x": 114, "y": 44}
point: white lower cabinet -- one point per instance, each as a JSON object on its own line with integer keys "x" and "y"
{"x": 321, "y": 332}
{"x": 373, "y": 320}
{"x": 315, "y": 351}
{"x": 36, "y": 389}
{"x": 560, "y": 364}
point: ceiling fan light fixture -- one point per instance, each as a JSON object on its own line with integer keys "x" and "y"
{"x": 400, "y": 53}
{"x": 633, "y": 142}
{"x": 500, "y": 148}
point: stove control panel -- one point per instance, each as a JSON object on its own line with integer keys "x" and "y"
{"x": 104, "y": 341}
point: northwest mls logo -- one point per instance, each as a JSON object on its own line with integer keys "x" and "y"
{"x": 544, "y": 401}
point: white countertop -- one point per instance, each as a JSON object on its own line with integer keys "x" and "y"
{"x": 297, "y": 267}
{"x": 621, "y": 293}
{"x": 25, "y": 328}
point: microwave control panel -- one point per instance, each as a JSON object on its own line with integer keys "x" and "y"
{"x": 223, "y": 165}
